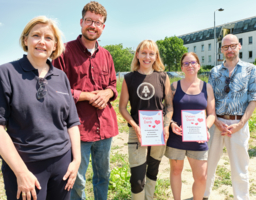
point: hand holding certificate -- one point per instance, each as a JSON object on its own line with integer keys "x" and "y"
{"x": 194, "y": 125}
{"x": 151, "y": 125}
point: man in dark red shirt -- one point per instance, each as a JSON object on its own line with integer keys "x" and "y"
{"x": 92, "y": 77}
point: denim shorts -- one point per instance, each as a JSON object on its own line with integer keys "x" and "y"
{"x": 179, "y": 154}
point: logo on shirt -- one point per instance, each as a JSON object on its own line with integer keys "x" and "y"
{"x": 145, "y": 91}
{"x": 62, "y": 93}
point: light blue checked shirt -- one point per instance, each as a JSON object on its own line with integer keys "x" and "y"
{"x": 242, "y": 88}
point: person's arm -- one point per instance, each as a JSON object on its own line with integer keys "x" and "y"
{"x": 73, "y": 167}
{"x": 26, "y": 181}
{"x": 210, "y": 108}
{"x": 247, "y": 114}
{"x": 168, "y": 108}
{"x": 123, "y": 101}
{"x": 219, "y": 124}
{"x": 102, "y": 97}
{"x": 175, "y": 128}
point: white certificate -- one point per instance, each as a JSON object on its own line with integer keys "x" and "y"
{"x": 151, "y": 126}
{"x": 193, "y": 125}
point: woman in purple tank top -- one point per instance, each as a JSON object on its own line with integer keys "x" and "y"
{"x": 189, "y": 93}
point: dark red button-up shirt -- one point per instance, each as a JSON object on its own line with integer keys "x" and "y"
{"x": 88, "y": 73}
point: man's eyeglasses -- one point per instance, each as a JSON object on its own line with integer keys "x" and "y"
{"x": 232, "y": 46}
{"x": 227, "y": 88}
{"x": 186, "y": 64}
{"x": 41, "y": 92}
{"x": 90, "y": 21}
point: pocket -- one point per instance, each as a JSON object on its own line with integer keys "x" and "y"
{"x": 105, "y": 78}
{"x": 137, "y": 154}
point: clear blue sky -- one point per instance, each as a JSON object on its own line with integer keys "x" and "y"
{"x": 128, "y": 22}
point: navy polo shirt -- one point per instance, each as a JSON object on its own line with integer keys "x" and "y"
{"x": 38, "y": 128}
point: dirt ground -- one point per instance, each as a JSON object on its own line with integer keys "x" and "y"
{"x": 224, "y": 192}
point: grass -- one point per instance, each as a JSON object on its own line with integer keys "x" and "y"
{"x": 223, "y": 177}
{"x": 119, "y": 188}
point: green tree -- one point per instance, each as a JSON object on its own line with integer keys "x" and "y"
{"x": 254, "y": 62}
{"x": 171, "y": 49}
{"x": 122, "y": 57}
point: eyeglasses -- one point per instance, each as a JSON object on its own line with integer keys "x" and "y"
{"x": 90, "y": 21}
{"x": 232, "y": 46}
{"x": 186, "y": 64}
{"x": 227, "y": 88}
{"x": 41, "y": 92}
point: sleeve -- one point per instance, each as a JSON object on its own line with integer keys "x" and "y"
{"x": 72, "y": 119}
{"x": 5, "y": 97}
{"x": 210, "y": 81}
{"x": 60, "y": 64}
{"x": 112, "y": 79}
{"x": 252, "y": 86}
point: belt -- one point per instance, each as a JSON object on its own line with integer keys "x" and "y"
{"x": 233, "y": 117}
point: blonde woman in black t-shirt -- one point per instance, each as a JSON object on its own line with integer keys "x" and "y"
{"x": 146, "y": 87}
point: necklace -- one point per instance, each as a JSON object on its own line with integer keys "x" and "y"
{"x": 150, "y": 72}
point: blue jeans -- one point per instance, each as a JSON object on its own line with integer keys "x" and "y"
{"x": 100, "y": 151}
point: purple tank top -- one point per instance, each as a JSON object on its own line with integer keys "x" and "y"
{"x": 183, "y": 101}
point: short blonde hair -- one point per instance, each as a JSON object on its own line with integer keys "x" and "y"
{"x": 147, "y": 44}
{"x": 56, "y": 31}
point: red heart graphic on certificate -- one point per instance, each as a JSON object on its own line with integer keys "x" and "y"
{"x": 154, "y": 126}
{"x": 149, "y": 125}
{"x": 196, "y": 123}
{"x": 200, "y": 119}
{"x": 157, "y": 121}
{"x": 192, "y": 122}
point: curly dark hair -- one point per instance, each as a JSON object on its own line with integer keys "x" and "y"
{"x": 96, "y": 8}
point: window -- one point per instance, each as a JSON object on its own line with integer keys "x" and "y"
{"x": 208, "y": 34}
{"x": 209, "y": 59}
{"x": 246, "y": 26}
{"x": 250, "y": 54}
{"x": 219, "y": 44}
{"x": 250, "y": 40}
{"x": 241, "y": 41}
{"x": 241, "y": 55}
{"x": 195, "y": 49}
{"x": 202, "y": 48}
{"x": 209, "y": 47}
{"x": 202, "y": 59}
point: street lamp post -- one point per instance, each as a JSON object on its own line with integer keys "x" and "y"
{"x": 215, "y": 51}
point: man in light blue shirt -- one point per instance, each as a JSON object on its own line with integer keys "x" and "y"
{"x": 234, "y": 86}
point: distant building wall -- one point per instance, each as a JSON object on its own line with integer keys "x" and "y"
{"x": 202, "y": 42}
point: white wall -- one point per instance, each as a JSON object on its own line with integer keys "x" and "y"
{"x": 246, "y": 47}
{"x": 206, "y": 53}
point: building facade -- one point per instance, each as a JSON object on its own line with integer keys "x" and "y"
{"x": 202, "y": 42}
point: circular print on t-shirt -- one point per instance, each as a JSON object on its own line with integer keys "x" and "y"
{"x": 145, "y": 91}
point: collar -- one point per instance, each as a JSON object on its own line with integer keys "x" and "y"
{"x": 83, "y": 48}
{"x": 238, "y": 64}
{"x": 27, "y": 66}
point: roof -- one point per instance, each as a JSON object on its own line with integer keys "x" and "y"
{"x": 241, "y": 26}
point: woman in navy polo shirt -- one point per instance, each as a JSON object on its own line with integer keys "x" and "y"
{"x": 41, "y": 146}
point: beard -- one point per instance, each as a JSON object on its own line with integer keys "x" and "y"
{"x": 231, "y": 57}
{"x": 90, "y": 38}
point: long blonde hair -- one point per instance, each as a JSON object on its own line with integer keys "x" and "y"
{"x": 147, "y": 44}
